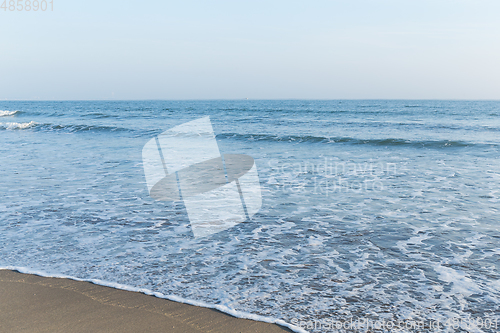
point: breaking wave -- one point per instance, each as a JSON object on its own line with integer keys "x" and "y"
{"x": 14, "y": 126}
{"x": 349, "y": 140}
{"x": 7, "y": 113}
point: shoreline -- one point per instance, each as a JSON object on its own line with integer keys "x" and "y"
{"x": 35, "y": 303}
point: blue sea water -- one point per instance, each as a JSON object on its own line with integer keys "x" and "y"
{"x": 375, "y": 210}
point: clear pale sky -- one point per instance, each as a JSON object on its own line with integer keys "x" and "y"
{"x": 399, "y": 49}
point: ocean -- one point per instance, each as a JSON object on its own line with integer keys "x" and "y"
{"x": 374, "y": 212}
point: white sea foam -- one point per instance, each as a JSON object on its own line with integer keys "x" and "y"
{"x": 496, "y": 285}
{"x": 461, "y": 283}
{"x": 7, "y": 113}
{"x": 221, "y": 308}
{"x": 12, "y": 126}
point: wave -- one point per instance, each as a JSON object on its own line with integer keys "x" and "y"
{"x": 99, "y": 115}
{"x": 14, "y": 126}
{"x": 7, "y": 113}
{"x": 350, "y": 140}
{"x": 82, "y": 128}
{"x": 63, "y": 128}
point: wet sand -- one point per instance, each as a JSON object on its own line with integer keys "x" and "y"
{"x": 30, "y": 303}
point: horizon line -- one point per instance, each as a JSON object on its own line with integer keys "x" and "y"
{"x": 251, "y": 99}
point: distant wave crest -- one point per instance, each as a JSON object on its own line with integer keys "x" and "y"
{"x": 82, "y": 128}
{"x": 7, "y": 113}
{"x": 14, "y": 126}
{"x": 347, "y": 140}
{"x": 63, "y": 128}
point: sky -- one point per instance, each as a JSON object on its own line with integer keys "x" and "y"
{"x": 352, "y": 49}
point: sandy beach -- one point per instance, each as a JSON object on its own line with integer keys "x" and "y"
{"x": 30, "y": 303}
